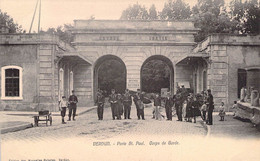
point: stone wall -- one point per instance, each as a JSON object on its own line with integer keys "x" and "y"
{"x": 36, "y": 54}
{"x": 24, "y": 57}
{"x": 227, "y": 54}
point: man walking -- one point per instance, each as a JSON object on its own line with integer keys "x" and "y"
{"x": 100, "y": 103}
{"x": 138, "y": 100}
{"x": 73, "y": 100}
{"x": 168, "y": 106}
{"x": 127, "y": 102}
{"x": 113, "y": 102}
{"x": 210, "y": 105}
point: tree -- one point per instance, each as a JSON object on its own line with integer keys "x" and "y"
{"x": 155, "y": 75}
{"x": 248, "y": 14}
{"x": 153, "y": 13}
{"x": 111, "y": 75}
{"x": 8, "y": 22}
{"x": 211, "y": 17}
{"x": 135, "y": 12}
{"x": 175, "y": 10}
{"x": 61, "y": 31}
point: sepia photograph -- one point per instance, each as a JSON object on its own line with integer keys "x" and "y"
{"x": 145, "y": 80}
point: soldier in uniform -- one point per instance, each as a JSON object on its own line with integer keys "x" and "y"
{"x": 138, "y": 100}
{"x": 113, "y": 101}
{"x": 73, "y": 100}
{"x": 127, "y": 102}
{"x": 168, "y": 106}
{"x": 210, "y": 106}
{"x": 100, "y": 103}
{"x": 178, "y": 106}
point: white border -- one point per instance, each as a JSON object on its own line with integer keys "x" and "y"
{"x": 3, "y": 97}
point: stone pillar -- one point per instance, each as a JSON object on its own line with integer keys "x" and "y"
{"x": 218, "y": 75}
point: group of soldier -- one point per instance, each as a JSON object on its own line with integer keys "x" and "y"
{"x": 120, "y": 104}
{"x": 187, "y": 105}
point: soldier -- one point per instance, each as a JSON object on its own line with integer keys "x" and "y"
{"x": 127, "y": 102}
{"x": 113, "y": 101}
{"x": 168, "y": 106}
{"x": 178, "y": 106}
{"x": 210, "y": 106}
{"x": 100, "y": 103}
{"x": 120, "y": 105}
{"x": 73, "y": 100}
{"x": 138, "y": 100}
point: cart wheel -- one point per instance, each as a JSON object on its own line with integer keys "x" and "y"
{"x": 50, "y": 120}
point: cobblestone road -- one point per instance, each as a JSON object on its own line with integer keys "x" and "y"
{"x": 89, "y": 139}
{"x": 88, "y": 126}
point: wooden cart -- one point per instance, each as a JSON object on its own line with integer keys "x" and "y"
{"x": 44, "y": 116}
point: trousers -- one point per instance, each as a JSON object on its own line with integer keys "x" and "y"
{"x": 179, "y": 112}
{"x": 100, "y": 111}
{"x": 72, "y": 111}
{"x": 210, "y": 119}
{"x": 140, "y": 113}
{"x": 127, "y": 110}
{"x": 168, "y": 112}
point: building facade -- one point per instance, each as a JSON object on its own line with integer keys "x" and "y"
{"x": 36, "y": 70}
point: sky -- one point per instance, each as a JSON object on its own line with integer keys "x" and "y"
{"x": 59, "y": 12}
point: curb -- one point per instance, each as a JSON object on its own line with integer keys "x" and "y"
{"x": 16, "y": 128}
{"x": 90, "y": 109}
{"x": 29, "y": 125}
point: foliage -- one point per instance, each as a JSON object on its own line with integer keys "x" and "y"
{"x": 248, "y": 14}
{"x": 211, "y": 17}
{"x": 111, "y": 75}
{"x": 62, "y": 31}
{"x": 175, "y": 10}
{"x": 135, "y": 12}
{"x": 155, "y": 75}
{"x": 7, "y": 21}
{"x": 153, "y": 15}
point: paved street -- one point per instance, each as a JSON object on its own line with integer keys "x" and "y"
{"x": 88, "y": 125}
{"x": 87, "y": 139}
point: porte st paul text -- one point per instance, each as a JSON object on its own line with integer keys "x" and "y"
{"x": 136, "y": 143}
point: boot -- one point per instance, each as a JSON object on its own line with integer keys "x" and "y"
{"x": 63, "y": 122}
{"x": 69, "y": 119}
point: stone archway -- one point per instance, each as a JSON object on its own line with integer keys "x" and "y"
{"x": 117, "y": 72}
{"x": 167, "y": 62}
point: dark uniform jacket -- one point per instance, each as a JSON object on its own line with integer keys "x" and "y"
{"x": 127, "y": 99}
{"x": 169, "y": 102}
{"x": 73, "y": 100}
{"x": 210, "y": 102}
{"x": 113, "y": 98}
{"x": 100, "y": 98}
{"x": 157, "y": 101}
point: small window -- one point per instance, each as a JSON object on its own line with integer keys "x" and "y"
{"x": 11, "y": 82}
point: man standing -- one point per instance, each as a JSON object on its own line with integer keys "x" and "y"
{"x": 113, "y": 101}
{"x": 178, "y": 106}
{"x": 100, "y": 103}
{"x": 73, "y": 100}
{"x": 168, "y": 106}
{"x": 138, "y": 100}
{"x": 210, "y": 105}
{"x": 127, "y": 102}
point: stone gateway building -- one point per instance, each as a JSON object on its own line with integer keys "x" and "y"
{"x": 36, "y": 70}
